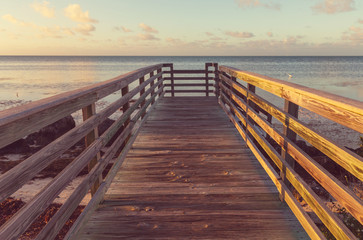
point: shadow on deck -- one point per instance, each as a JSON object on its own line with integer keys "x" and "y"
{"x": 189, "y": 175}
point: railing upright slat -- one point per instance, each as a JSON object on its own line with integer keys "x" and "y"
{"x": 293, "y": 110}
{"x": 151, "y": 86}
{"x": 172, "y": 79}
{"x": 206, "y": 79}
{"x": 216, "y": 79}
{"x": 126, "y": 106}
{"x": 142, "y": 91}
{"x": 159, "y": 78}
{"x": 88, "y": 112}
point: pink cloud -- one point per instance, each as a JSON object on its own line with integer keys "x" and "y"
{"x": 334, "y": 6}
{"x": 125, "y": 29}
{"x": 75, "y": 13}
{"x": 257, "y": 3}
{"x": 147, "y": 37}
{"x": 147, "y": 28}
{"x": 354, "y": 34}
{"x": 240, "y": 34}
{"x": 85, "y": 29}
{"x": 44, "y": 9}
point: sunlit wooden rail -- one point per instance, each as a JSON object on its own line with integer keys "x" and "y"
{"x": 158, "y": 85}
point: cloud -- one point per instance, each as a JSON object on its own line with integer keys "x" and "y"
{"x": 121, "y": 42}
{"x": 14, "y": 36}
{"x": 53, "y": 31}
{"x": 68, "y": 31}
{"x": 333, "y": 6}
{"x": 209, "y": 34}
{"x": 175, "y": 41}
{"x": 354, "y": 34}
{"x": 216, "y": 39}
{"x": 360, "y": 21}
{"x": 75, "y": 13}
{"x": 124, "y": 29}
{"x": 43, "y": 9}
{"x": 85, "y": 29}
{"x": 240, "y": 34}
{"x": 257, "y": 3}
{"x": 147, "y": 37}
{"x": 10, "y": 18}
{"x": 13, "y": 20}
{"x": 147, "y": 28}
{"x": 292, "y": 40}
{"x": 270, "y": 34}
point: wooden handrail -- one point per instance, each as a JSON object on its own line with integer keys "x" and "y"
{"x": 342, "y": 110}
{"x": 196, "y": 81}
{"x": 345, "y": 111}
{"x": 20, "y": 121}
{"x": 55, "y": 108}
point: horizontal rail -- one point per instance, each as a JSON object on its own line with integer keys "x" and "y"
{"x": 344, "y": 157}
{"x": 243, "y": 104}
{"x": 345, "y": 111}
{"x": 188, "y": 85}
{"x": 189, "y": 78}
{"x": 189, "y": 71}
{"x": 189, "y": 91}
{"x": 194, "y": 78}
{"x": 20, "y": 121}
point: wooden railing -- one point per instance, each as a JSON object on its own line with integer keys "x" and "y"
{"x": 243, "y": 106}
{"x": 191, "y": 82}
{"x": 18, "y": 122}
{"x": 248, "y": 111}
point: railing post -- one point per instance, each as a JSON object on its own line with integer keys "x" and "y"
{"x": 159, "y": 78}
{"x": 172, "y": 79}
{"x": 293, "y": 110}
{"x": 216, "y": 79}
{"x": 249, "y": 104}
{"x": 151, "y": 85}
{"x": 126, "y": 106}
{"x": 206, "y": 79}
{"x": 230, "y": 95}
{"x": 142, "y": 91}
{"x": 88, "y": 112}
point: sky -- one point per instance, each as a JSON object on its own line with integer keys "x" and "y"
{"x": 182, "y": 27}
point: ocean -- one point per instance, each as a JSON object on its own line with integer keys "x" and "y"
{"x": 29, "y": 78}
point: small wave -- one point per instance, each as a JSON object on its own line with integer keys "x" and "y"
{"x": 6, "y": 104}
{"x": 5, "y": 78}
{"x": 348, "y": 84}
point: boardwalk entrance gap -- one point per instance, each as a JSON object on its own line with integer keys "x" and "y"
{"x": 192, "y": 154}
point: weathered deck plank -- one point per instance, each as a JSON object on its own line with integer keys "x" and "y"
{"x": 190, "y": 176}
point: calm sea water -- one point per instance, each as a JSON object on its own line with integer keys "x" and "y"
{"x": 28, "y": 78}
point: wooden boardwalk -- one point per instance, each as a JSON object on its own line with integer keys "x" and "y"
{"x": 189, "y": 175}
